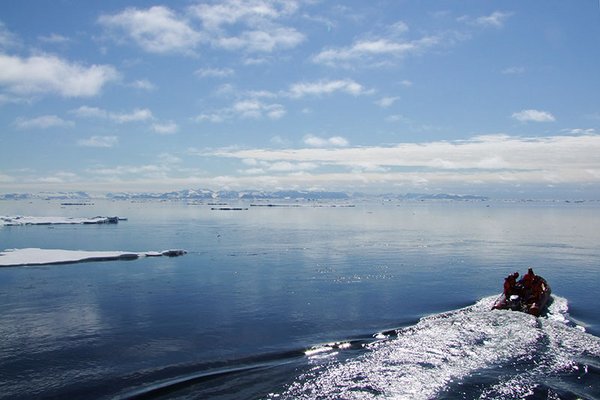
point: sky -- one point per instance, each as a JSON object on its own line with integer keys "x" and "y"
{"x": 499, "y": 98}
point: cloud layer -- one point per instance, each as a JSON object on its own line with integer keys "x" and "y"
{"x": 498, "y": 159}
{"x": 478, "y": 164}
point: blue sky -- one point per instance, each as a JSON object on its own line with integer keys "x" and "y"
{"x": 490, "y": 97}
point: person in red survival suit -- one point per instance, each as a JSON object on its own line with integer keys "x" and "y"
{"x": 509, "y": 284}
{"x": 528, "y": 280}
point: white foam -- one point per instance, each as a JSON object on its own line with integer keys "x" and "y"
{"x": 327, "y": 347}
{"x": 441, "y": 349}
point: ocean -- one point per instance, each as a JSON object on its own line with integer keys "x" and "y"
{"x": 309, "y": 300}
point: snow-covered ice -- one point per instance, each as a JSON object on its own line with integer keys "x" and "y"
{"x": 36, "y": 256}
{"x": 29, "y": 220}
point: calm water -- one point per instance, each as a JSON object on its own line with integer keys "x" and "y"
{"x": 378, "y": 300}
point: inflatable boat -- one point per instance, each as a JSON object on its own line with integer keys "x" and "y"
{"x": 530, "y": 294}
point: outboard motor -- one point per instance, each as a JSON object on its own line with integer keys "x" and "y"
{"x": 514, "y": 302}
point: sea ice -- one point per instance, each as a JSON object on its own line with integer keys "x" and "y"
{"x": 36, "y": 256}
{"x": 28, "y": 220}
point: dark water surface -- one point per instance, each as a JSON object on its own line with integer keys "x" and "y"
{"x": 379, "y": 300}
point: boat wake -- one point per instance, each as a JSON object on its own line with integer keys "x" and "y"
{"x": 468, "y": 353}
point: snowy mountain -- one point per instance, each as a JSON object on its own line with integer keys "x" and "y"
{"x": 248, "y": 195}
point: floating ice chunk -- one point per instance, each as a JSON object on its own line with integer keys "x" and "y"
{"x": 173, "y": 253}
{"x": 29, "y": 220}
{"x": 36, "y": 256}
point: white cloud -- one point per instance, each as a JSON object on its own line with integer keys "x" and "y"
{"x": 225, "y": 90}
{"x": 214, "y": 72}
{"x": 275, "y": 111}
{"x": 581, "y": 131}
{"x": 256, "y": 109}
{"x": 167, "y": 158}
{"x": 156, "y": 30}
{"x": 166, "y": 173}
{"x": 373, "y": 49}
{"x": 137, "y": 115}
{"x": 533, "y": 116}
{"x": 142, "y": 84}
{"x": 347, "y": 86}
{"x": 385, "y": 102}
{"x": 338, "y": 141}
{"x": 165, "y": 128}
{"x": 247, "y": 108}
{"x": 255, "y": 60}
{"x": 495, "y": 19}
{"x": 7, "y": 178}
{"x": 277, "y": 140}
{"x": 316, "y": 141}
{"x": 276, "y": 167}
{"x": 398, "y": 118}
{"x": 90, "y": 112}
{"x": 115, "y": 171}
{"x": 60, "y": 177}
{"x": 149, "y": 170}
{"x": 250, "y": 161}
{"x": 49, "y": 74}
{"x": 255, "y": 23}
{"x": 250, "y": 12}
{"x": 513, "y": 71}
{"x": 54, "y": 38}
{"x": 42, "y": 122}
{"x": 7, "y": 99}
{"x": 99, "y": 141}
{"x": 262, "y": 40}
{"x": 214, "y": 117}
{"x": 286, "y": 166}
{"x": 7, "y": 38}
{"x": 260, "y": 94}
{"x": 398, "y": 28}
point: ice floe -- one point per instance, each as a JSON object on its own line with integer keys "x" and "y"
{"x": 36, "y": 256}
{"x": 28, "y": 220}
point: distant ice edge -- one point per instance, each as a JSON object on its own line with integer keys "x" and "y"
{"x": 37, "y": 256}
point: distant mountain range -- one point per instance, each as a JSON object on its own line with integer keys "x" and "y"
{"x": 250, "y": 195}
{"x": 46, "y": 196}
{"x": 204, "y": 194}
